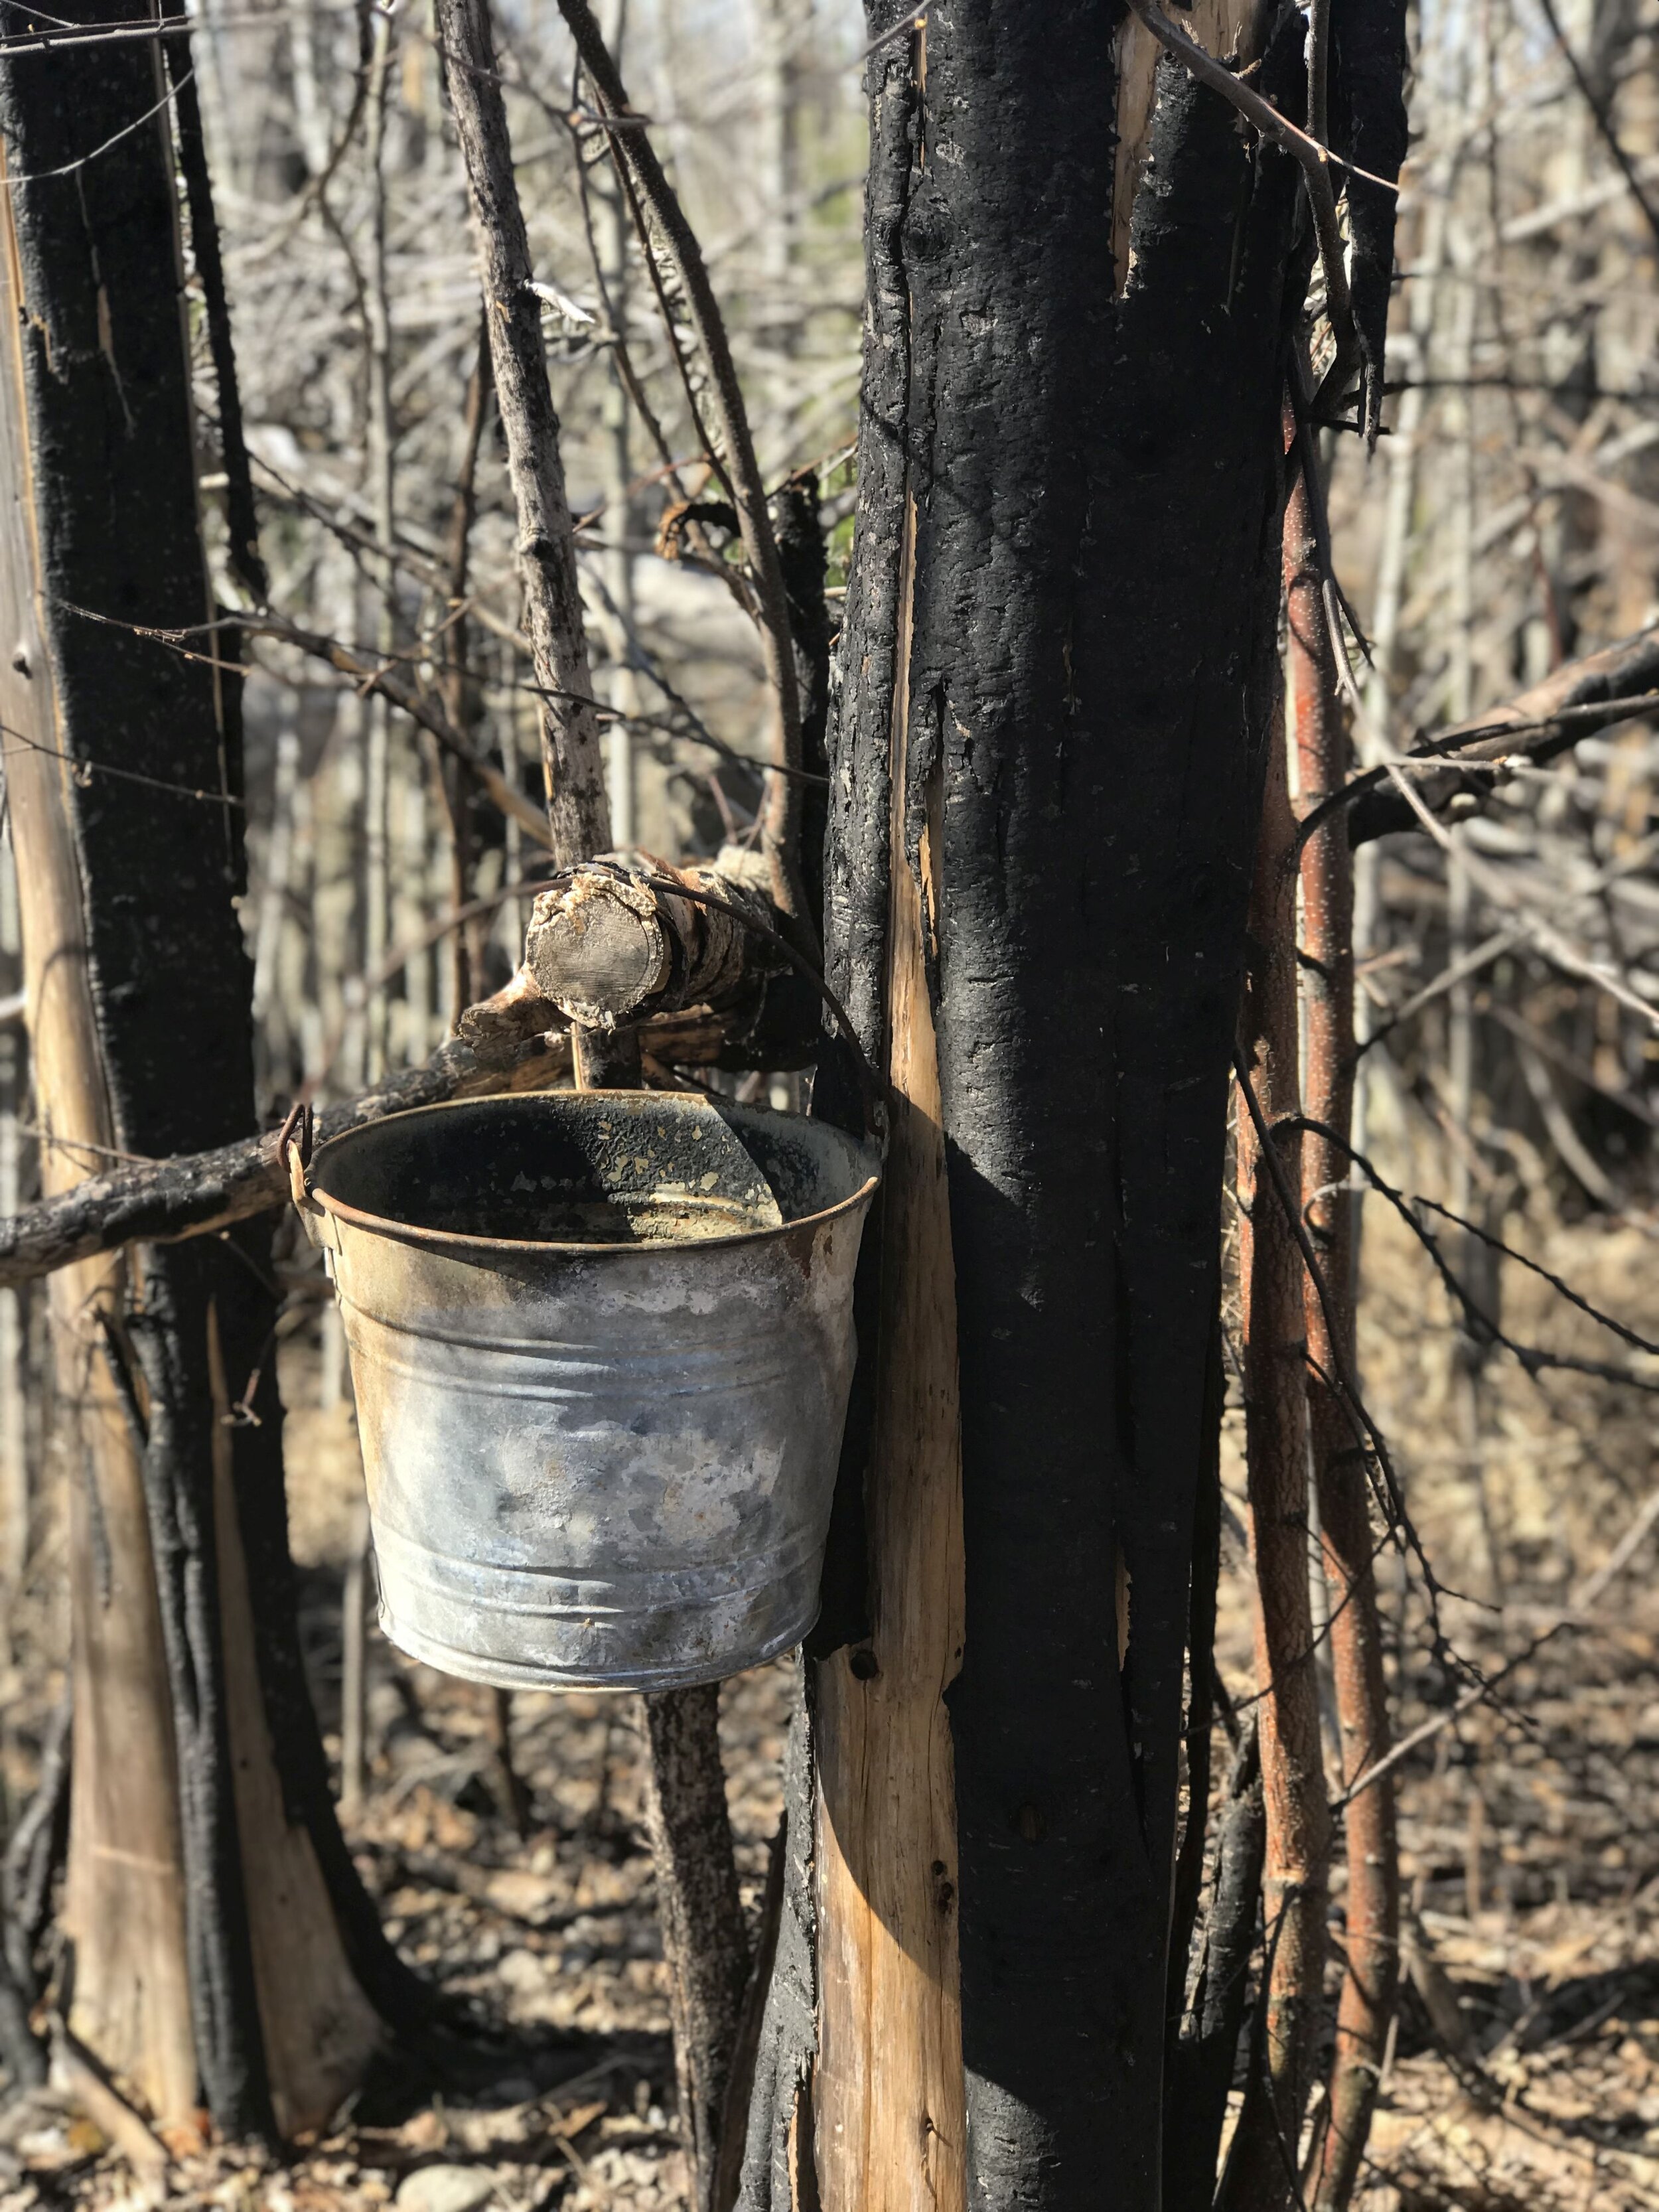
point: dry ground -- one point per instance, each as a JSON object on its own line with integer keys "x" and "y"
{"x": 1530, "y": 1829}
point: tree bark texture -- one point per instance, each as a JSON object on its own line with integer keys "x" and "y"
{"x": 1070, "y": 679}
{"x": 1371, "y": 1967}
{"x": 1090, "y": 678}
{"x": 703, "y": 1936}
{"x": 573, "y": 756}
{"x": 139, "y": 1002}
{"x": 1261, "y": 2169}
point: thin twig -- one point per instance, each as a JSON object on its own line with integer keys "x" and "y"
{"x": 678, "y": 242}
{"x": 1604, "y": 118}
{"x": 1616, "y": 1561}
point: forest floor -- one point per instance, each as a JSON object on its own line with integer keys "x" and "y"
{"x": 1526, "y": 2066}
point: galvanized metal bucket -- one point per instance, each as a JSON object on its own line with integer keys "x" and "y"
{"x": 601, "y": 1343}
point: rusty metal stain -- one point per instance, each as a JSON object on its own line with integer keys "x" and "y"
{"x": 601, "y": 1344}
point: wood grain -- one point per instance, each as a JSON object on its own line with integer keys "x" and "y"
{"x": 888, "y": 2090}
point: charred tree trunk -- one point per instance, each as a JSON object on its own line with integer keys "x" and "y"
{"x": 1059, "y": 655}
{"x": 203, "y": 1860}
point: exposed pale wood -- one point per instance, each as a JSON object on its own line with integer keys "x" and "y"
{"x": 109, "y": 2112}
{"x": 319, "y": 2029}
{"x": 124, "y": 1903}
{"x": 1223, "y": 27}
{"x": 888, "y": 2090}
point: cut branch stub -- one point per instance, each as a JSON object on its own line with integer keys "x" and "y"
{"x": 597, "y": 948}
{"x": 605, "y": 948}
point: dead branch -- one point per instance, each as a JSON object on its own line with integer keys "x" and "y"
{"x": 198, "y": 1193}
{"x": 1581, "y": 697}
{"x": 572, "y": 756}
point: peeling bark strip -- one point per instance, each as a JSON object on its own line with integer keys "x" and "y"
{"x": 572, "y": 756}
{"x": 888, "y": 2091}
{"x": 1096, "y": 488}
{"x": 1201, "y": 2070}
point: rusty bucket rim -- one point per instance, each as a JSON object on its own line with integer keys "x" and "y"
{"x": 381, "y": 1224}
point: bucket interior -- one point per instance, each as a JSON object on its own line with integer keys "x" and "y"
{"x": 570, "y": 1167}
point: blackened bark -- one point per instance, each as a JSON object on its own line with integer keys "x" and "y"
{"x": 158, "y": 825}
{"x": 1201, "y": 2068}
{"x": 1368, "y": 124}
{"x": 110, "y": 432}
{"x": 1098, "y": 493}
{"x": 863, "y": 671}
{"x": 865, "y": 654}
{"x": 171, "y": 1338}
{"x": 799, "y": 534}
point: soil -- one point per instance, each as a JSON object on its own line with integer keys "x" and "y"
{"x": 1526, "y": 2066}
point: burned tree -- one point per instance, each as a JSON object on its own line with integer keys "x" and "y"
{"x": 223, "y": 1950}
{"x": 1058, "y": 684}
